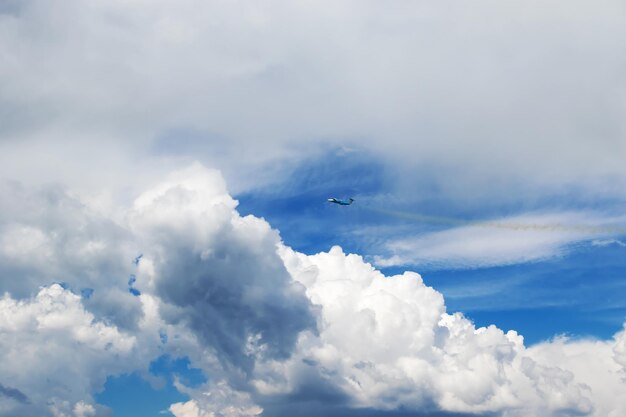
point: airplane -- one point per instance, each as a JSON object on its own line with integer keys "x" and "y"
{"x": 341, "y": 202}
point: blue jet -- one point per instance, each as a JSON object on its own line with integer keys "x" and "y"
{"x": 341, "y": 202}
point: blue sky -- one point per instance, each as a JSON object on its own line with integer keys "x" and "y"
{"x": 576, "y": 292}
{"x": 136, "y": 394}
{"x": 166, "y": 247}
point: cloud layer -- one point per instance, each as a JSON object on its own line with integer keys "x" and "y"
{"x": 265, "y": 323}
{"x": 499, "y": 99}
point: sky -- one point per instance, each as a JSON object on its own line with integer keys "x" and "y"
{"x": 166, "y": 244}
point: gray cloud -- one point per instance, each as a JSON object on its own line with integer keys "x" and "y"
{"x": 15, "y": 394}
{"x": 312, "y": 409}
{"x": 497, "y": 98}
{"x": 232, "y": 296}
{"x": 226, "y": 281}
{"x": 48, "y": 236}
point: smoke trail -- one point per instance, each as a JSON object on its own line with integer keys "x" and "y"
{"x": 548, "y": 227}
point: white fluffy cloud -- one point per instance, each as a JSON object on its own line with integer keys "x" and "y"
{"x": 599, "y": 365}
{"x": 388, "y": 342}
{"x": 265, "y": 323}
{"x": 219, "y": 400}
{"x": 57, "y": 354}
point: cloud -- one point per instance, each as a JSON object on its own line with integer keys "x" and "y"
{"x": 211, "y": 285}
{"x": 219, "y": 272}
{"x": 477, "y": 92}
{"x": 619, "y": 350}
{"x": 599, "y": 364}
{"x": 507, "y": 241}
{"x": 388, "y": 343}
{"x": 475, "y": 103}
{"x": 608, "y": 242}
{"x": 47, "y": 235}
{"x": 14, "y": 393}
{"x": 220, "y": 401}
{"x": 267, "y": 325}
{"x": 82, "y": 409}
{"x": 56, "y": 354}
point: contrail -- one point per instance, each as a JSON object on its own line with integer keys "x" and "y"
{"x": 549, "y": 227}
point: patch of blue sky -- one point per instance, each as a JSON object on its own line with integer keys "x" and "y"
{"x": 133, "y": 395}
{"x": 86, "y": 293}
{"x": 298, "y": 208}
{"x": 544, "y": 323}
{"x": 167, "y": 366}
{"x": 63, "y": 284}
{"x": 131, "y": 289}
{"x": 580, "y": 294}
{"x": 163, "y": 336}
{"x": 579, "y": 288}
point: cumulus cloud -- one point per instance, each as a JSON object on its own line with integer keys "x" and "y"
{"x": 56, "y": 354}
{"x": 619, "y": 350}
{"x": 47, "y": 235}
{"x": 599, "y": 365}
{"x": 210, "y": 278}
{"x": 266, "y": 324}
{"x": 217, "y": 271}
{"x": 220, "y": 401}
{"x": 388, "y": 343}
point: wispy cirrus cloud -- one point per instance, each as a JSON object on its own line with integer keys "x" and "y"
{"x": 608, "y": 242}
{"x": 506, "y": 241}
